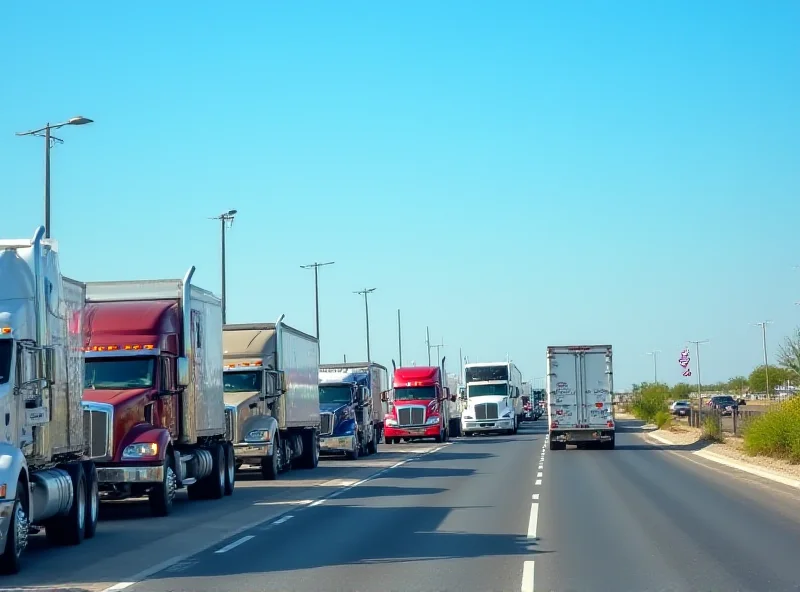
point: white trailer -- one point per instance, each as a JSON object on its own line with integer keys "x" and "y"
{"x": 580, "y": 391}
{"x": 46, "y": 477}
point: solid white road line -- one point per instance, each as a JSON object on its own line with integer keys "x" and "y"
{"x": 527, "y": 576}
{"x": 235, "y": 544}
{"x": 538, "y": 482}
{"x": 534, "y": 520}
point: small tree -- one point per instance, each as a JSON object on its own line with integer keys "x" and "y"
{"x": 777, "y": 375}
{"x": 789, "y": 353}
{"x": 739, "y": 384}
{"x": 681, "y": 390}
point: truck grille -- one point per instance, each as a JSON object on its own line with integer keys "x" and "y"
{"x": 230, "y": 424}
{"x": 408, "y": 416}
{"x": 326, "y": 424}
{"x": 486, "y": 411}
{"x": 96, "y": 432}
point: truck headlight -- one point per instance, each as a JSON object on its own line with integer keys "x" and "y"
{"x": 391, "y": 422}
{"x": 140, "y": 450}
{"x": 432, "y": 420}
{"x": 257, "y": 436}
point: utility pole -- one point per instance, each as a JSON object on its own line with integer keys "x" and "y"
{"x": 655, "y": 353}
{"x": 697, "y": 345}
{"x": 49, "y": 141}
{"x": 763, "y": 325}
{"x": 428, "y": 343}
{"x": 316, "y": 267}
{"x": 438, "y": 347}
{"x": 226, "y": 221}
{"x": 460, "y": 366}
{"x": 365, "y": 292}
{"x": 399, "y": 339}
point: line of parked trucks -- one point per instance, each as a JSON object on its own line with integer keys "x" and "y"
{"x": 136, "y": 389}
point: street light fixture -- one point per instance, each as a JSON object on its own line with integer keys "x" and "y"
{"x": 49, "y": 140}
{"x": 226, "y": 221}
{"x": 316, "y": 267}
{"x": 365, "y": 292}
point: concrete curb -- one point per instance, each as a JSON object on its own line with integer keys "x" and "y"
{"x": 729, "y": 462}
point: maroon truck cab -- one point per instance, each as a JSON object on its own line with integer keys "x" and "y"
{"x": 419, "y": 407}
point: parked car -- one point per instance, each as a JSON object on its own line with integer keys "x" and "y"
{"x": 725, "y": 404}
{"x": 680, "y": 408}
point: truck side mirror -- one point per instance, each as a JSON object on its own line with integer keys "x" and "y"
{"x": 183, "y": 372}
{"x": 49, "y": 366}
{"x": 281, "y": 382}
{"x": 385, "y": 396}
{"x": 453, "y": 398}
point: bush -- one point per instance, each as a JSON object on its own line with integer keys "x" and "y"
{"x": 776, "y": 433}
{"x": 712, "y": 430}
{"x": 662, "y": 419}
{"x": 649, "y": 401}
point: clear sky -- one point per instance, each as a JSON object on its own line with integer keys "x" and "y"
{"x": 511, "y": 174}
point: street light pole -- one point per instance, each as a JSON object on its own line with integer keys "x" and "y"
{"x": 365, "y": 292}
{"x": 655, "y": 353}
{"x": 49, "y": 139}
{"x": 697, "y": 345}
{"x": 763, "y": 325}
{"x": 316, "y": 267}
{"x": 399, "y": 339}
{"x": 225, "y": 219}
{"x": 428, "y": 343}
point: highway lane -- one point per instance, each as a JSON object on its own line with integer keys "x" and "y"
{"x": 129, "y": 541}
{"x": 456, "y": 519}
{"x": 645, "y": 518}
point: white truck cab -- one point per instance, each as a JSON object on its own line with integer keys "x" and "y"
{"x": 493, "y": 401}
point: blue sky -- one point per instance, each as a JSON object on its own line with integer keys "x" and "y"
{"x": 511, "y": 174}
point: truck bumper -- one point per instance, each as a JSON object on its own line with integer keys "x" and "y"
{"x": 411, "y": 432}
{"x": 6, "y": 518}
{"x": 130, "y": 474}
{"x": 492, "y": 425}
{"x": 582, "y": 435}
{"x": 247, "y": 451}
{"x": 336, "y": 444}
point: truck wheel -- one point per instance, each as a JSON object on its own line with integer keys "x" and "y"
{"x": 271, "y": 465}
{"x": 70, "y": 529}
{"x": 92, "y": 499}
{"x": 215, "y": 482}
{"x": 610, "y": 445}
{"x": 310, "y": 449}
{"x": 557, "y": 445}
{"x": 230, "y": 468}
{"x": 354, "y": 455}
{"x": 372, "y": 448}
{"x": 162, "y": 494}
{"x": 17, "y": 536}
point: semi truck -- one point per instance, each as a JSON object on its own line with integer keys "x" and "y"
{"x": 351, "y": 408}
{"x": 493, "y": 398}
{"x": 271, "y": 381}
{"x": 580, "y": 391}
{"x": 456, "y": 406}
{"x": 419, "y": 405}
{"x": 152, "y": 397}
{"x": 46, "y": 476}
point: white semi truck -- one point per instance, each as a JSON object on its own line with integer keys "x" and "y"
{"x": 46, "y": 476}
{"x": 580, "y": 391}
{"x": 493, "y": 398}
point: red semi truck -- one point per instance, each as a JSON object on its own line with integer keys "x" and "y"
{"x": 419, "y": 405}
{"x": 153, "y": 395}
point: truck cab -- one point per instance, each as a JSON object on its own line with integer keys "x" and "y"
{"x": 419, "y": 405}
{"x": 346, "y": 418}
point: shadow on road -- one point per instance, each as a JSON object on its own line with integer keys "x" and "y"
{"x": 414, "y": 471}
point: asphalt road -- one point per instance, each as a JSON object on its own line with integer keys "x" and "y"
{"x": 477, "y": 514}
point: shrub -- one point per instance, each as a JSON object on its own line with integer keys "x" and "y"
{"x": 662, "y": 419}
{"x": 648, "y": 402}
{"x": 712, "y": 430}
{"x": 776, "y": 433}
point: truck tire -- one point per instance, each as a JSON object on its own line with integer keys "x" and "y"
{"x": 372, "y": 447}
{"x": 356, "y": 449}
{"x": 215, "y": 482}
{"x": 70, "y": 529}
{"x": 310, "y": 449}
{"x": 557, "y": 445}
{"x": 611, "y": 444}
{"x": 17, "y": 536}
{"x": 271, "y": 465}
{"x": 230, "y": 468}
{"x": 162, "y": 494}
{"x": 92, "y": 499}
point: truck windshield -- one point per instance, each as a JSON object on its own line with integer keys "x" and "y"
{"x": 242, "y": 382}
{"x": 334, "y": 394}
{"x": 482, "y": 390}
{"x": 6, "y": 349}
{"x": 414, "y": 392}
{"x": 119, "y": 373}
{"x": 483, "y": 373}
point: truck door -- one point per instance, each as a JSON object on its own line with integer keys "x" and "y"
{"x": 167, "y": 404}
{"x": 597, "y": 387}
{"x": 565, "y": 387}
